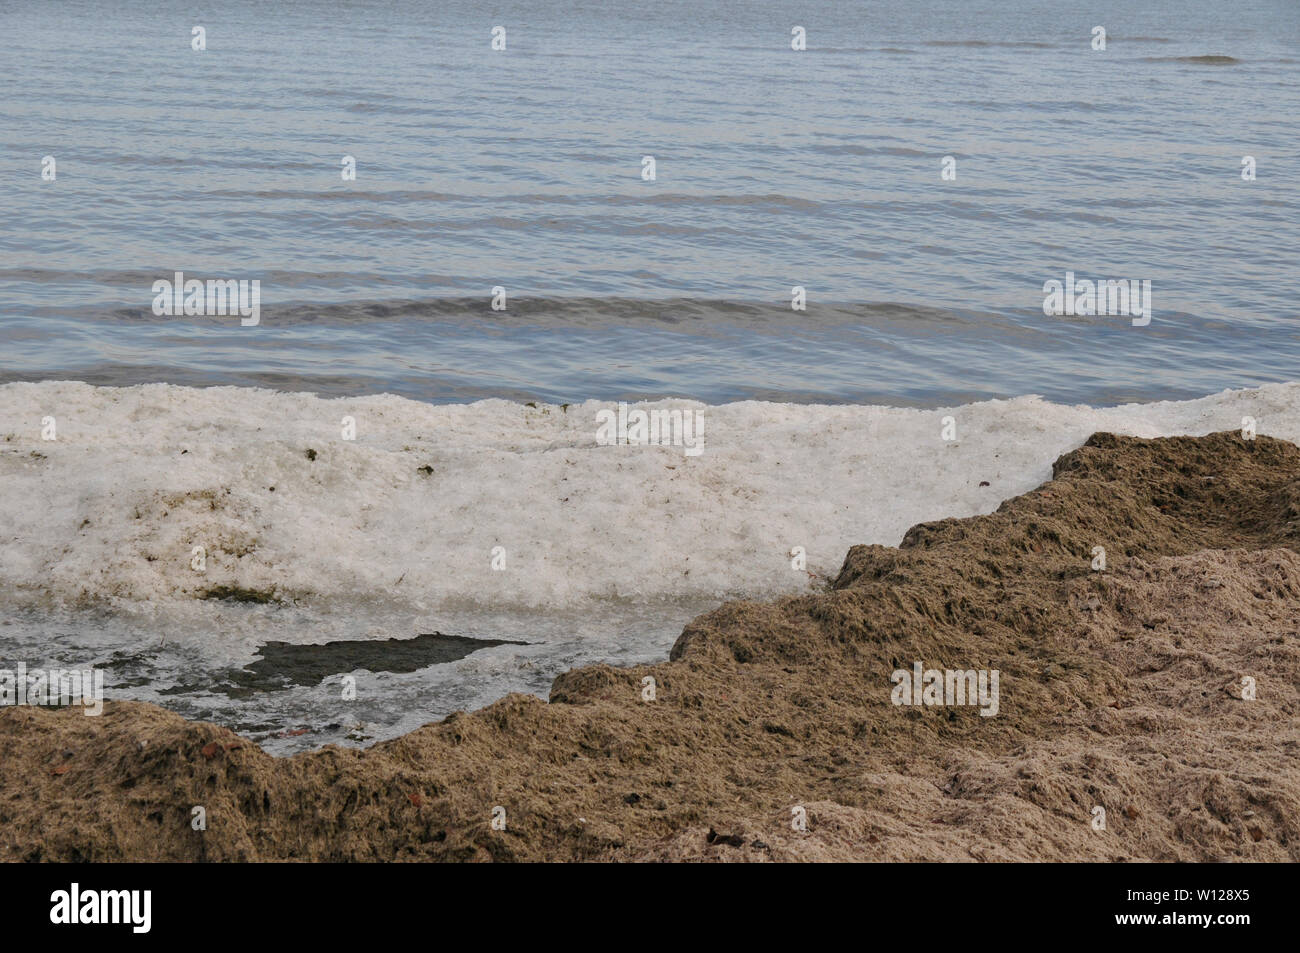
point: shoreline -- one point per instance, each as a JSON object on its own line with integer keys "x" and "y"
{"x": 1117, "y": 692}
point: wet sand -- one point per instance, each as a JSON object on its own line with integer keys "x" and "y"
{"x": 1124, "y": 690}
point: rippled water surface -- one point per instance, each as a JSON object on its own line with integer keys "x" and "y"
{"x": 522, "y": 168}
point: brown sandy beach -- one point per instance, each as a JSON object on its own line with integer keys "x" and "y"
{"x": 1120, "y": 689}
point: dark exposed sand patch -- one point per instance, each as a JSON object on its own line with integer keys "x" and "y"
{"x": 283, "y": 662}
{"x": 291, "y": 663}
{"x": 1121, "y": 690}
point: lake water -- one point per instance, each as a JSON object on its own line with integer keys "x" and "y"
{"x": 522, "y": 169}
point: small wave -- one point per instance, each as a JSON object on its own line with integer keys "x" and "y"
{"x": 849, "y": 149}
{"x": 390, "y": 108}
{"x": 408, "y": 196}
{"x": 1209, "y": 59}
{"x": 681, "y": 314}
{"x": 1000, "y": 44}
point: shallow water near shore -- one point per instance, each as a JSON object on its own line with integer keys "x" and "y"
{"x": 213, "y": 665}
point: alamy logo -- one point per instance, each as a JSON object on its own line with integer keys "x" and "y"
{"x": 660, "y": 428}
{"x": 191, "y": 296}
{"x": 103, "y": 906}
{"x": 56, "y": 688}
{"x": 1127, "y": 297}
{"x": 934, "y": 686}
